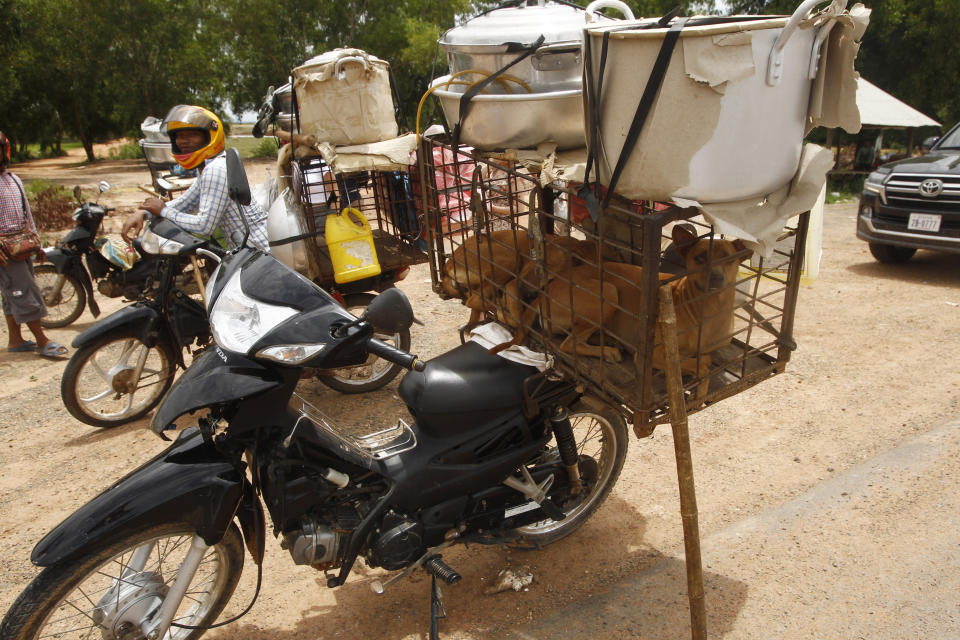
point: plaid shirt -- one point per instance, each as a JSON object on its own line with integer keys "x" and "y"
{"x": 205, "y": 206}
{"x": 12, "y": 214}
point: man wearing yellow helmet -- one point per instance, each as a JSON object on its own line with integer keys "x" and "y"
{"x": 196, "y": 136}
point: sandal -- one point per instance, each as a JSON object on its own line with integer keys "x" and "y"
{"x": 53, "y": 350}
{"x": 29, "y": 345}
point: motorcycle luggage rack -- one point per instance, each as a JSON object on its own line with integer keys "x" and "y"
{"x": 375, "y": 446}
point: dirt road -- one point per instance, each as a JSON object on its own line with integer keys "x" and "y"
{"x": 827, "y": 495}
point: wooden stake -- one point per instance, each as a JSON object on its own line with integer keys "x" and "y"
{"x": 681, "y": 445}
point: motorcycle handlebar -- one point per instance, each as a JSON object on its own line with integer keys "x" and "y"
{"x": 392, "y": 354}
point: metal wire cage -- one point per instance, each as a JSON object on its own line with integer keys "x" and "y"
{"x": 385, "y": 198}
{"x": 586, "y": 292}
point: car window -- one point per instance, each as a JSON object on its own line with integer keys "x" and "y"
{"x": 951, "y": 140}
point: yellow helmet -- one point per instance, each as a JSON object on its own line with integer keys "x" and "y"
{"x": 188, "y": 116}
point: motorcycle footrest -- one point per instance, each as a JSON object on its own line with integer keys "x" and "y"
{"x": 436, "y": 567}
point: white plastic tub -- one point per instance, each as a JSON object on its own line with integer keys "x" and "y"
{"x": 730, "y": 118}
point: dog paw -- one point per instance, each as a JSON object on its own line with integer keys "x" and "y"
{"x": 612, "y": 353}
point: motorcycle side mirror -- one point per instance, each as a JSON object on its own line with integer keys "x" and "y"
{"x": 104, "y": 186}
{"x": 929, "y": 142}
{"x": 390, "y": 312}
{"x": 237, "y": 186}
{"x": 77, "y": 194}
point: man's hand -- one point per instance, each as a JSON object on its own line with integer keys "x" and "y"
{"x": 132, "y": 226}
{"x": 153, "y": 205}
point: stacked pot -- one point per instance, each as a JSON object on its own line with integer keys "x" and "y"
{"x": 538, "y": 99}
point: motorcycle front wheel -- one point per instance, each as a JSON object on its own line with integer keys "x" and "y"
{"x": 100, "y": 386}
{"x": 64, "y": 301}
{"x": 109, "y": 592}
{"x": 375, "y": 372}
{"x": 601, "y": 436}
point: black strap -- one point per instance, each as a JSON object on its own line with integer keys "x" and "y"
{"x": 465, "y": 99}
{"x": 291, "y": 239}
{"x": 649, "y": 97}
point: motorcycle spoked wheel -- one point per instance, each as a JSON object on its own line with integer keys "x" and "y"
{"x": 98, "y": 386}
{"x": 67, "y": 306}
{"x": 601, "y": 436}
{"x": 85, "y": 597}
{"x": 375, "y": 372}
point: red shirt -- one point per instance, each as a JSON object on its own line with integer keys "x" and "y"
{"x": 12, "y": 201}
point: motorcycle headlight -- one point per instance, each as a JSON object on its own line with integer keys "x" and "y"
{"x": 152, "y": 243}
{"x": 238, "y": 321}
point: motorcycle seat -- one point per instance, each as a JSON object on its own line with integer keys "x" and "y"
{"x": 463, "y": 389}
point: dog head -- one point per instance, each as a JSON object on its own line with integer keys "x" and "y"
{"x": 711, "y": 263}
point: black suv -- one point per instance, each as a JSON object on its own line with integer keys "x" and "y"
{"x": 913, "y": 203}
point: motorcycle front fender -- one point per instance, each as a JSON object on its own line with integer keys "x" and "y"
{"x": 218, "y": 377}
{"x": 60, "y": 260}
{"x": 141, "y": 318}
{"x": 190, "y": 482}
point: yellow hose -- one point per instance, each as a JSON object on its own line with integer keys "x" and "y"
{"x": 503, "y": 79}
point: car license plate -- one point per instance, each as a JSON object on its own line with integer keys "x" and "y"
{"x": 924, "y": 222}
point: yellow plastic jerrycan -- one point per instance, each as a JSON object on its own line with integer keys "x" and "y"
{"x": 350, "y": 242}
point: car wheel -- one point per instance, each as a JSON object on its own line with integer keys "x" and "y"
{"x": 890, "y": 254}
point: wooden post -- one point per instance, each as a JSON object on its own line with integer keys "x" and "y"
{"x": 681, "y": 446}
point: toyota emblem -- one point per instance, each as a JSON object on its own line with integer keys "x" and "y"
{"x": 931, "y": 187}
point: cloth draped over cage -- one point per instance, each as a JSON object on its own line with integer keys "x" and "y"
{"x": 386, "y": 155}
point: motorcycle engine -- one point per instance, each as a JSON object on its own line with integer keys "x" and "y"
{"x": 110, "y": 289}
{"x": 397, "y": 542}
{"x": 314, "y": 543}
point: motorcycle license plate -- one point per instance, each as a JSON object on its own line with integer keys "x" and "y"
{"x": 924, "y": 222}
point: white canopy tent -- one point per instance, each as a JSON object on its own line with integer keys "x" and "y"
{"x": 880, "y": 110}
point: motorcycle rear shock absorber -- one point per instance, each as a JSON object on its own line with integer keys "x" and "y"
{"x": 567, "y": 446}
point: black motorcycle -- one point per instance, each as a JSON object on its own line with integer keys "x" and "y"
{"x": 66, "y": 280}
{"x": 126, "y": 362}
{"x": 496, "y": 452}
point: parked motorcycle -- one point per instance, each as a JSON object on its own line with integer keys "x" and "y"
{"x": 496, "y": 452}
{"x": 124, "y": 364}
{"x": 66, "y": 279}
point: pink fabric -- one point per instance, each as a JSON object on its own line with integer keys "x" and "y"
{"x": 453, "y": 188}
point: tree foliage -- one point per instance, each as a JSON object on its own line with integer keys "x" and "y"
{"x": 94, "y": 69}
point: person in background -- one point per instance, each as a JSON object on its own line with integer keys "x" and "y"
{"x": 196, "y": 136}
{"x": 22, "y": 300}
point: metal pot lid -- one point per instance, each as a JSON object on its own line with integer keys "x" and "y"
{"x": 523, "y": 24}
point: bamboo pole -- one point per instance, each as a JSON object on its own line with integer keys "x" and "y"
{"x": 681, "y": 445}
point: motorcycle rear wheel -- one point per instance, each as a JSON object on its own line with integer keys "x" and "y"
{"x": 97, "y": 386}
{"x": 65, "y": 307}
{"x": 79, "y": 598}
{"x": 375, "y": 372}
{"x": 601, "y": 435}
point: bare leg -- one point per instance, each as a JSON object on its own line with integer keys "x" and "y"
{"x": 14, "y": 337}
{"x": 38, "y": 333}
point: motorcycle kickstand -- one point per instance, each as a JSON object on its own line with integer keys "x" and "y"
{"x": 436, "y": 608}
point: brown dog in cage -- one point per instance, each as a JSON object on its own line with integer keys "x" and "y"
{"x": 492, "y": 272}
{"x": 585, "y": 303}
{"x": 481, "y": 265}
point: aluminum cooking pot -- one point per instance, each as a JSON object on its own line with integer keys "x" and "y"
{"x": 490, "y": 41}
